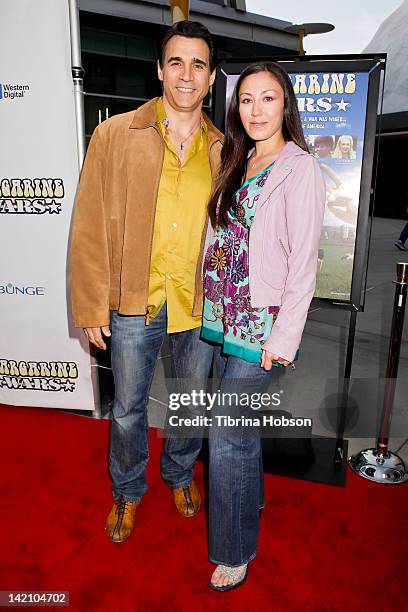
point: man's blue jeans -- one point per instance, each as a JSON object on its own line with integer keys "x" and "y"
{"x": 135, "y": 348}
{"x": 236, "y": 471}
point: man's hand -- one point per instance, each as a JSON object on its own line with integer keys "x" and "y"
{"x": 269, "y": 358}
{"x": 94, "y": 335}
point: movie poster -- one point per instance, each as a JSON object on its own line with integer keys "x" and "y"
{"x": 333, "y": 112}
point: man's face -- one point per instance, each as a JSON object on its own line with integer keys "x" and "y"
{"x": 322, "y": 149}
{"x": 186, "y": 73}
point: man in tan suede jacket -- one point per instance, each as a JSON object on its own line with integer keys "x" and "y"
{"x": 136, "y": 256}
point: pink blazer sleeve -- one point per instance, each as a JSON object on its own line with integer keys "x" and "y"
{"x": 305, "y": 197}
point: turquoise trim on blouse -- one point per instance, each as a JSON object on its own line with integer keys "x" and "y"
{"x": 254, "y": 177}
{"x": 232, "y": 349}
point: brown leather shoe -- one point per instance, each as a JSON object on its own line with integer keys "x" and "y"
{"x": 188, "y": 499}
{"x": 120, "y": 521}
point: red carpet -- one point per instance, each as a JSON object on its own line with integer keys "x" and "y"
{"x": 317, "y": 544}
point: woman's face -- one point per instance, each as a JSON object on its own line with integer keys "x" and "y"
{"x": 345, "y": 146}
{"x": 261, "y": 106}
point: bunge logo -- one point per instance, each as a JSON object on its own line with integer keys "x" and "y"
{"x": 31, "y": 196}
{"x": 11, "y": 289}
{"x": 38, "y": 375}
{"x": 13, "y": 91}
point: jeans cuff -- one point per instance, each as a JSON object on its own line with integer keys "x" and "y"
{"x": 235, "y": 564}
{"x": 181, "y": 485}
{"x": 128, "y": 498}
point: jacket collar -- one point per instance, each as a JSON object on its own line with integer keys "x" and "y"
{"x": 146, "y": 116}
{"x": 291, "y": 149}
{"x": 280, "y": 170}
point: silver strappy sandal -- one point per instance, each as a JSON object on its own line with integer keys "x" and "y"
{"x": 237, "y": 575}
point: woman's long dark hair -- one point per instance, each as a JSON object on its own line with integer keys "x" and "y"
{"x": 237, "y": 142}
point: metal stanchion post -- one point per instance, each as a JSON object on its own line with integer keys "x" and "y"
{"x": 77, "y": 76}
{"x": 379, "y": 464}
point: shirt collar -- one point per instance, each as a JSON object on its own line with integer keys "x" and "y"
{"x": 164, "y": 122}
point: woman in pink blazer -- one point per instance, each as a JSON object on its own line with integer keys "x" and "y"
{"x": 260, "y": 266}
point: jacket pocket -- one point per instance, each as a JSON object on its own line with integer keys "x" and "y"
{"x": 283, "y": 250}
{"x": 274, "y": 261}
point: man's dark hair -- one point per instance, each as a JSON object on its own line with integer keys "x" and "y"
{"x": 326, "y": 141}
{"x": 189, "y": 29}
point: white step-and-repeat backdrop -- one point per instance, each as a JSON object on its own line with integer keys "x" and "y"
{"x": 44, "y": 361}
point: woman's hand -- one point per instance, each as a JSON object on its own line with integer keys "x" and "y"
{"x": 269, "y": 358}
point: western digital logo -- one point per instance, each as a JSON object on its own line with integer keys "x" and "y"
{"x": 10, "y": 91}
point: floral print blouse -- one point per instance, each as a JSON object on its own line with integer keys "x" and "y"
{"x": 229, "y": 318}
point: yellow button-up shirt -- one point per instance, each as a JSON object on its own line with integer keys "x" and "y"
{"x": 181, "y": 211}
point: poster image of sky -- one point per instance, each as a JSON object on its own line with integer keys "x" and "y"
{"x": 333, "y": 113}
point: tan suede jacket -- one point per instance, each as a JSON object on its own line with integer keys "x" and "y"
{"x": 113, "y": 222}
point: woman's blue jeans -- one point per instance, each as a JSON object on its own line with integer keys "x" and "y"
{"x": 236, "y": 472}
{"x": 135, "y": 348}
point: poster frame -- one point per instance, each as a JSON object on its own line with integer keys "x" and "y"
{"x": 374, "y": 65}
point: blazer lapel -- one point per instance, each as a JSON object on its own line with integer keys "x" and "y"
{"x": 276, "y": 177}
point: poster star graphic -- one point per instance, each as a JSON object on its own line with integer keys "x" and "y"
{"x": 69, "y": 386}
{"x": 54, "y": 207}
{"x": 342, "y": 105}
